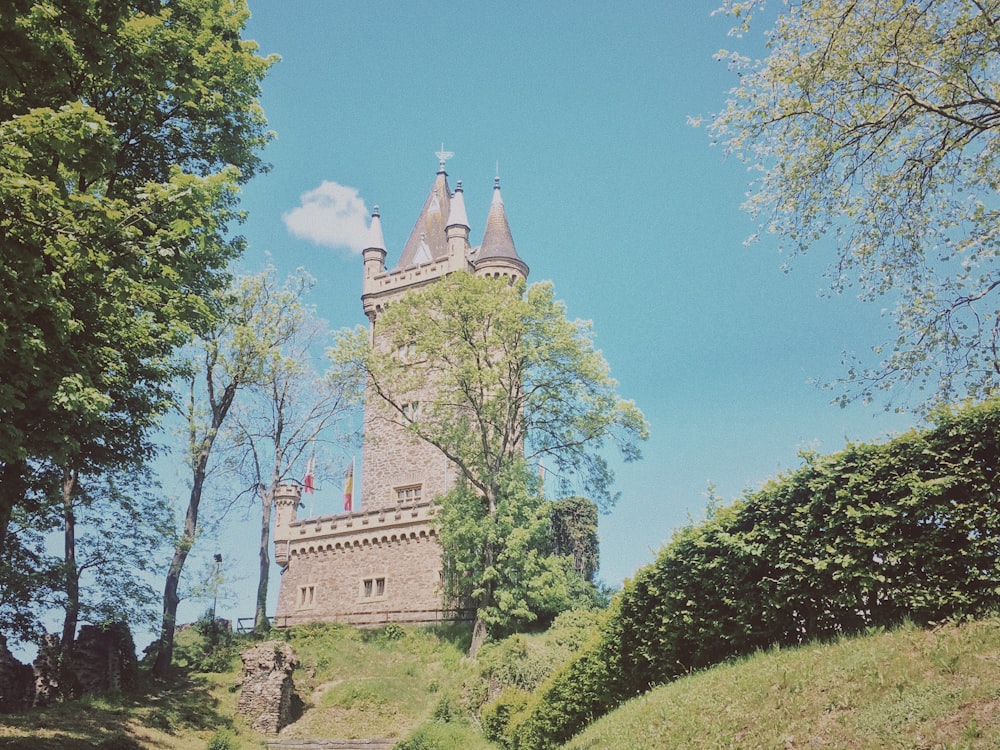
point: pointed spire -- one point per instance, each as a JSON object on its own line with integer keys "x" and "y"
{"x": 375, "y": 239}
{"x": 458, "y": 216}
{"x": 498, "y": 244}
{"x": 431, "y": 224}
{"x": 497, "y": 240}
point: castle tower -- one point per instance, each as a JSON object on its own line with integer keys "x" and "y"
{"x": 382, "y": 562}
{"x": 286, "y": 505}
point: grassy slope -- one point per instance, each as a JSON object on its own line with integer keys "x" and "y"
{"x": 907, "y": 689}
{"x": 375, "y": 683}
{"x": 378, "y": 683}
{"x": 910, "y": 688}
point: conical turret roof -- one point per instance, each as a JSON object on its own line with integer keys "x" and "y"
{"x": 375, "y": 239}
{"x": 497, "y": 240}
{"x": 458, "y": 217}
{"x": 428, "y": 239}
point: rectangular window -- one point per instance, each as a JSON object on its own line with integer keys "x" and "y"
{"x": 408, "y": 494}
{"x": 373, "y": 588}
{"x": 411, "y": 411}
{"x": 307, "y": 597}
{"x": 407, "y": 353}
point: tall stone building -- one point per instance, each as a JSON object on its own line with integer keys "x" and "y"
{"x": 382, "y": 562}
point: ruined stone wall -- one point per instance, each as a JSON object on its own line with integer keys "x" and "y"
{"x": 17, "y": 681}
{"x": 267, "y": 692}
{"x": 103, "y": 662}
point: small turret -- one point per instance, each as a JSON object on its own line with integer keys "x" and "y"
{"x": 286, "y": 505}
{"x": 497, "y": 256}
{"x": 458, "y": 229}
{"x": 374, "y": 259}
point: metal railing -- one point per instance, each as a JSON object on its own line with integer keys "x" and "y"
{"x": 367, "y": 619}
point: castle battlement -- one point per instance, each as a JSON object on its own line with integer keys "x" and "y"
{"x": 380, "y": 526}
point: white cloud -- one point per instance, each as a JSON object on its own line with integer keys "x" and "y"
{"x": 333, "y": 215}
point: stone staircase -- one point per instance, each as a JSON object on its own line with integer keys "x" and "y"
{"x": 376, "y": 743}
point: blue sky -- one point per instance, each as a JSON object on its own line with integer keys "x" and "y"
{"x": 610, "y": 193}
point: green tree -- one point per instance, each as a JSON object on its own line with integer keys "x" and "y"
{"x": 289, "y": 412}
{"x": 261, "y": 317}
{"x": 574, "y": 533}
{"x": 872, "y": 124}
{"x": 126, "y": 129}
{"x": 503, "y": 379}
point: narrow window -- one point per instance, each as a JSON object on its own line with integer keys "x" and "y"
{"x": 307, "y": 597}
{"x": 368, "y": 588}
{"x": 409, "y": 494}
{"x": 379, "y": 587}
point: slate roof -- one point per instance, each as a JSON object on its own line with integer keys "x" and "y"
{"x": 497, "y": 240}
{"x": 428, "y": 240}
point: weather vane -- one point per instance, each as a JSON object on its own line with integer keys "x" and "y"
{"x": 443, "y": 156}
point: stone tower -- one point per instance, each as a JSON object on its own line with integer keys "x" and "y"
{"x": 382, "y": 562}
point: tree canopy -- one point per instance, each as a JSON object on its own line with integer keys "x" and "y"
{"x": 496, "y": 377}
{"x": 126, "y": 129}
{"x": 872, "y": 124}
{"x": 499, "y": 373}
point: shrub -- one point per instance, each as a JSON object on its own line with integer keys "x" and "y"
{"x": 496, "y": 716}
{"x": 867, "y": 537}
{"x": 222, "y": 740}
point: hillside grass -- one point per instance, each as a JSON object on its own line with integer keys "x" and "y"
{"x": 908, "y": 688}
{"x": 375, "y": 683}
{"x": 353, "y": 683}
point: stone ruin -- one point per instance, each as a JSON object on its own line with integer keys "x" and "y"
{"x": 267, "y": 697}
{"x": 17, "y": 681}
{"x": 103, "y": 662}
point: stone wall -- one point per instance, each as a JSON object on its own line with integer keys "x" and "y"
{"x": 365, "y": 569}
{"x": 17, "y": 681}
{"x": 267, "y": 694}
{"x": 103, "y": 662}
{"x": 393, "y": 459}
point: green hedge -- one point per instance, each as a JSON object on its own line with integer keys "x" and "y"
{"x": 867, "y": 537}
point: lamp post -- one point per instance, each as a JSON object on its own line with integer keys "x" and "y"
{"x": 215, "y": 584}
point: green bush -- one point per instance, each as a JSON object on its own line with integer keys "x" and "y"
{"x": 572, "y": 697}
{"x": 496, "y": 716}
{"x": 222, "y": 740}
{"x": 865, "y": 538}
{"x": 438, "y": 736}
{"x": 214, "y": 648}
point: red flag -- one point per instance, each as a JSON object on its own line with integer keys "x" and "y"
{"x": 309, "y": 480}
{"x": 349, "y": 488}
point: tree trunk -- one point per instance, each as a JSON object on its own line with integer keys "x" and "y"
{"x": 71, "y": 576}
{"x": 165, "y": 649}
{"x": 260, "y": 621}
{"x": 12, "y": 493}
{"x": 220, "y": 408}
{"x": 480, "y": 631}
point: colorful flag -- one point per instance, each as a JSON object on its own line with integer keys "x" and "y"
{"x": 349, "y": 487}
{"x": 309, "y": 480}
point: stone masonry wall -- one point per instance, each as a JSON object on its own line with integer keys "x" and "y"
{"x": 103, "y": 662}
{"x": 17, "y": 681}
{"x": 267, "y": 691}
{"x": 364, "y": 574}
{"x": 394, "y": 459}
